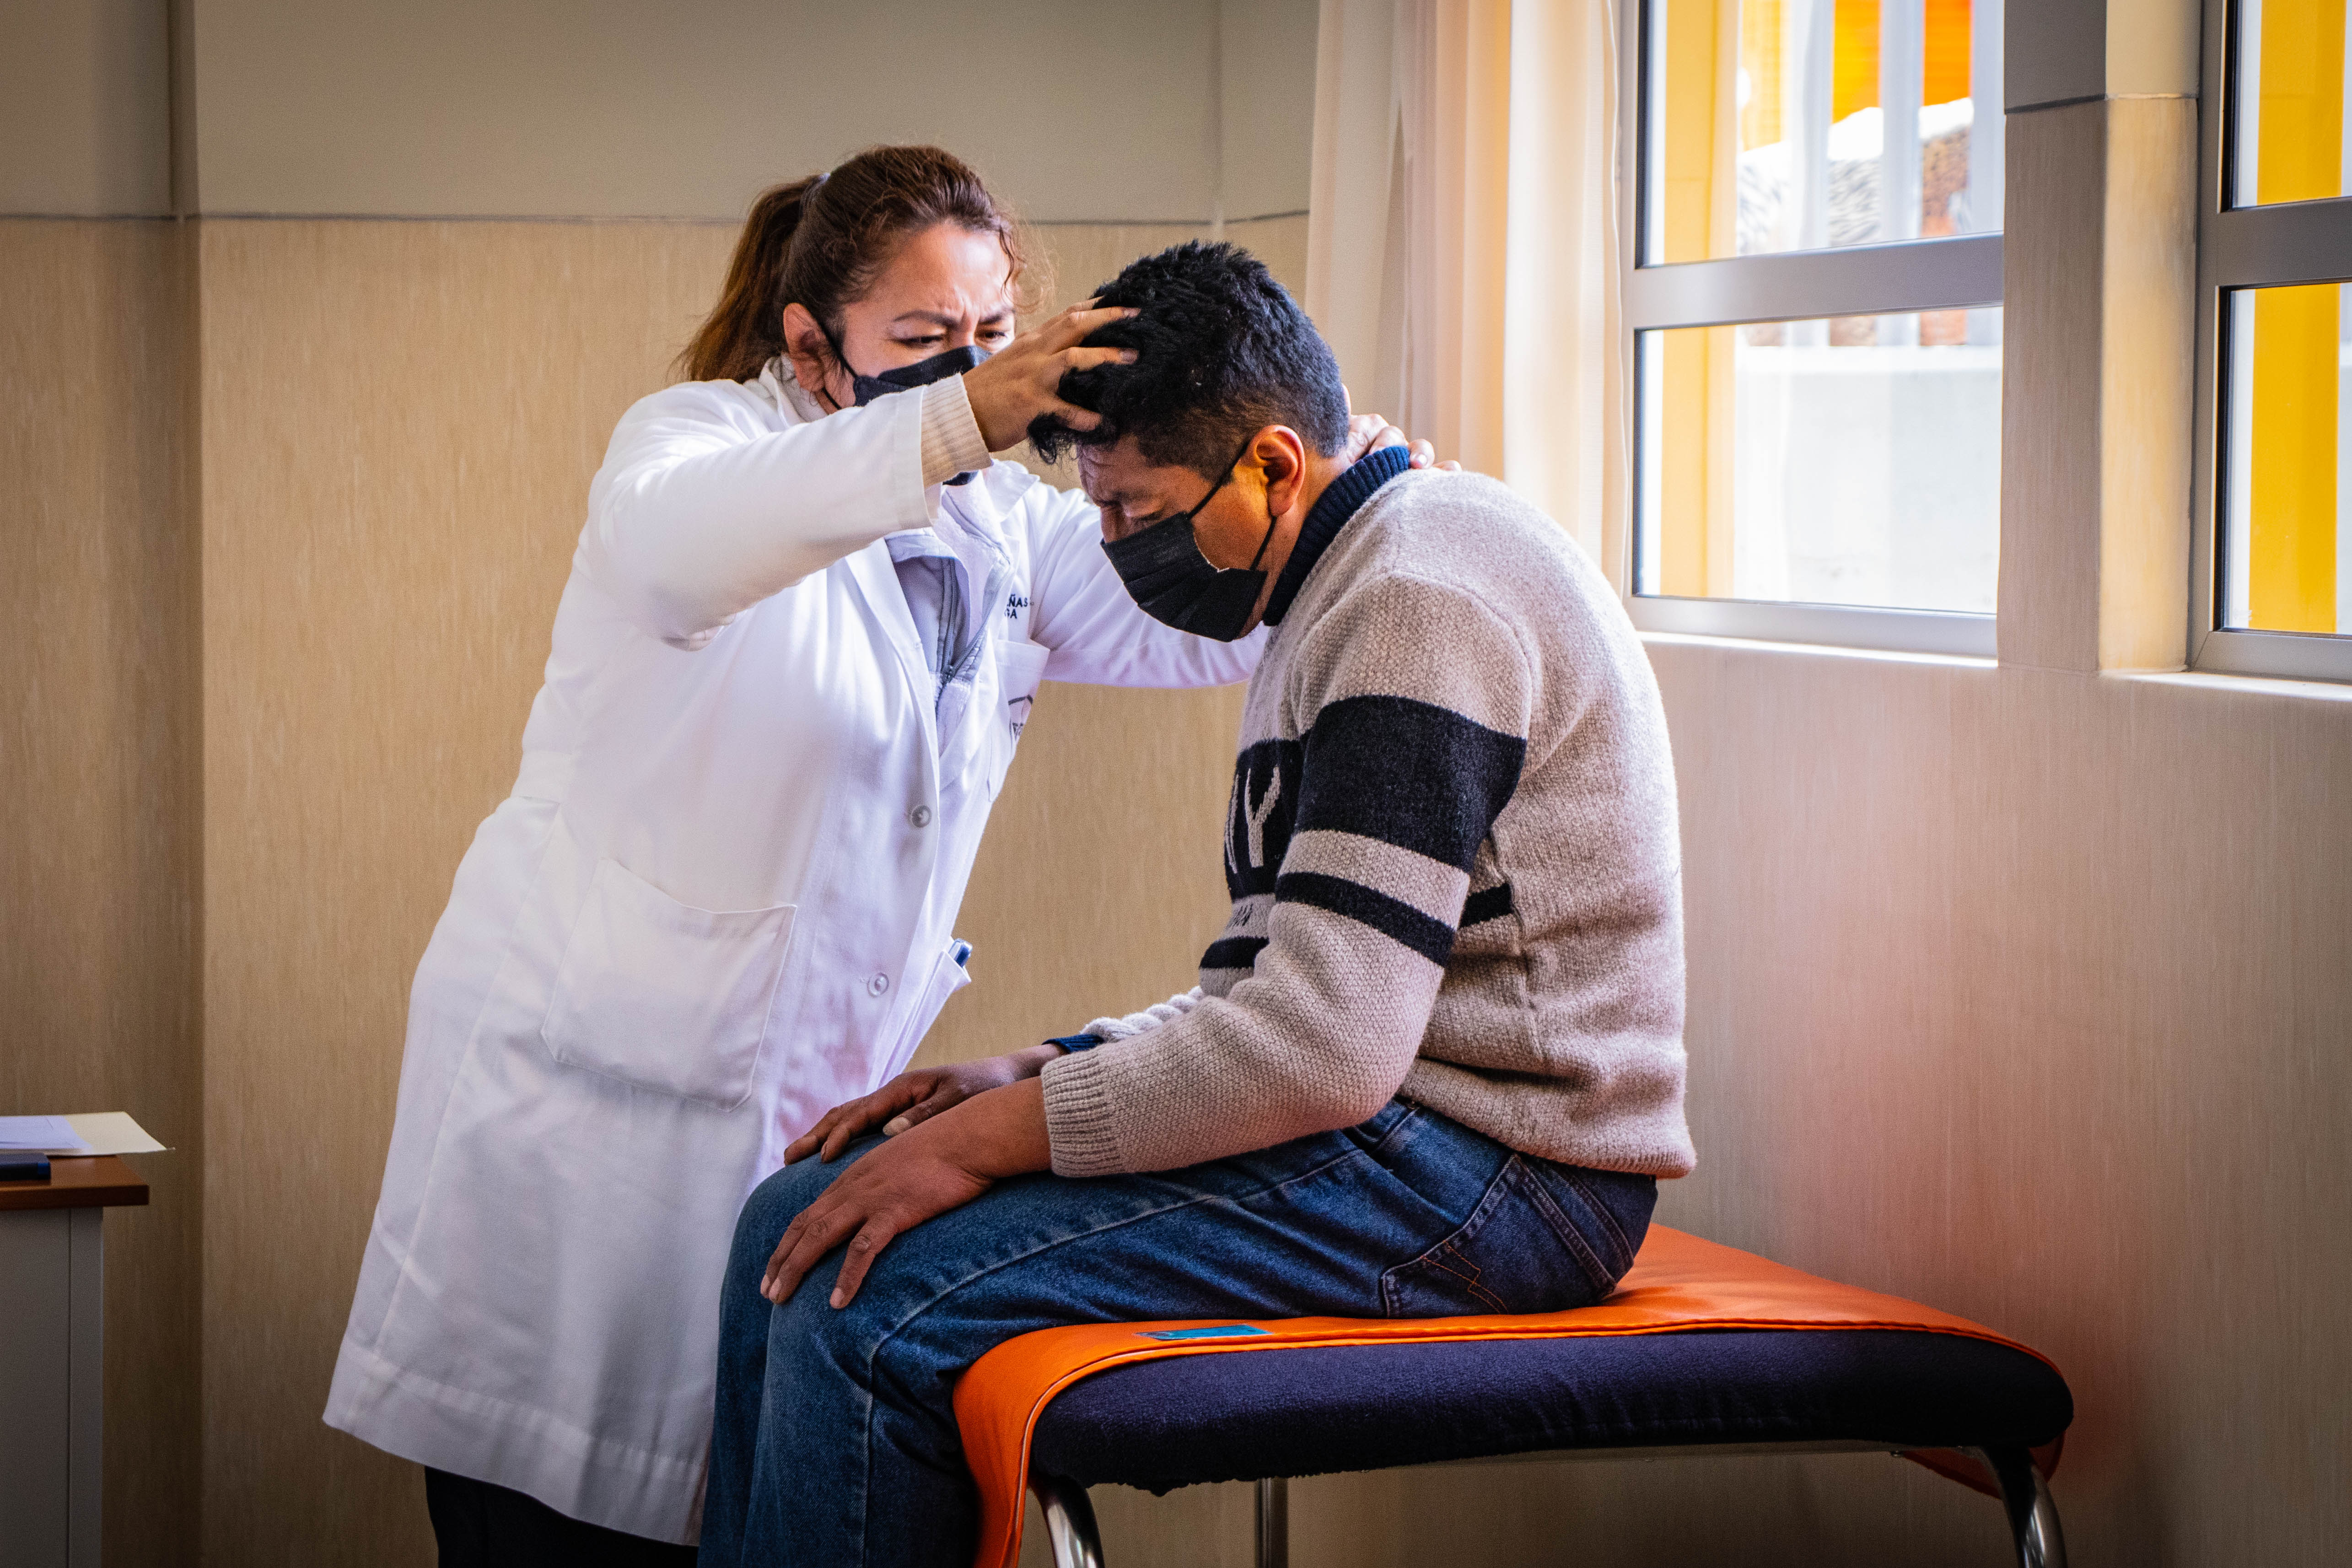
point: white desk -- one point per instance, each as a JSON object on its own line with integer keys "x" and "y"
{"x": 52, "y": 1360}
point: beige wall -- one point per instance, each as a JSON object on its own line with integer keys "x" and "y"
{"x": 611, "y": 109}
{"x": 85, "y": 107}
{"x": 1265, "y": 91}
{"x": 2026, "y": 993}
{"x": 98, "y": 765}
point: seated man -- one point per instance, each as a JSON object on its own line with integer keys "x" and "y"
{"x": 1434, "y": 1064}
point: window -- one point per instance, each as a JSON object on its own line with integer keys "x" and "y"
{"x": 2273, "y": 594}
{"x": 1813, "y": 287}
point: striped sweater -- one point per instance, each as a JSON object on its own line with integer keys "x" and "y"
{"x": 1453, "y": 857}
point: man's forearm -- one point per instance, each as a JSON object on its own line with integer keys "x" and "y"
{"x": 1003, "y": 1132}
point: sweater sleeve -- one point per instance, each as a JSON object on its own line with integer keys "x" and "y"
{"x": 952, "y": 443}
{"x": 1415, "y": 700}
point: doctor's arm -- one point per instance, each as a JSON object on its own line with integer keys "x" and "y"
{"x": 703, "y": 507}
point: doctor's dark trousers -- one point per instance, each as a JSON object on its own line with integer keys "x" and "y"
{"x": 835, "y": 1437}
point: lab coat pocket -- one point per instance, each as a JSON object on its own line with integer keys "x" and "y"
{"x": 1020, "y": 669}
{"x": 950, "y": 974}
{"x": 664, "y": 997}
{"x": 1021, "y": 666}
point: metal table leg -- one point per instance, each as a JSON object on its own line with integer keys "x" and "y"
{"x": 1273, "y": 1523}
{"x": 2033, "y": 1514}
{"x": 1069, "y": 1522}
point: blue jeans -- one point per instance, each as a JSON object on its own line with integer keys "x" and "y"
{"x": 836, "y": 1439}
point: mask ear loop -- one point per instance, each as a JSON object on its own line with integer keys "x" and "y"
{"x": 1267, "y": 542}
{"x": 835, "y": 403}
{"x": 1264, "y": 544}
{"x": 1191, "y": 515}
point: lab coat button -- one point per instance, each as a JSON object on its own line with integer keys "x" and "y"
{"x": 878, "y": 984}
{"x": 920, "y": 817}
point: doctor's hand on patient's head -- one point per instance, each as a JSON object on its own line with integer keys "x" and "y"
{"x": 1022, "y": 382}
{"x": 914, "y": 1098}
{"x": 1367, "y": 433}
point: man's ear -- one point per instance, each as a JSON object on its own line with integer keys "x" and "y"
{"x": 1281, "y": 456}
{"x": 812, "y": 355}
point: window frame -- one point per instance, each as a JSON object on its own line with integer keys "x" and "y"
{"x": 1952, "y": 272}
{"x": 2284, "y": 243}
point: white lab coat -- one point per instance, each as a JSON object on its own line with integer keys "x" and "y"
{"x": 717, "y": 903}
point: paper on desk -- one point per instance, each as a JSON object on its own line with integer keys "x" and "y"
{"x": 65, "y": 1137}
{"x": 43, "y": 1134}
{"x": 110, "y": 1132}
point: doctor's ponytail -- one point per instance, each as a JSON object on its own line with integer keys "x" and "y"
{"x": 822, "y": 241}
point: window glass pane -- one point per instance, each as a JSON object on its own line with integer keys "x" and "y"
{"x": 1855, "y": 461}
{"x": 1767, "y": 124}
{"x": 2288, "y": 516}
{"x": 2290, "y": 143}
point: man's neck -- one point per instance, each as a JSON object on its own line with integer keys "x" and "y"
{"x": 1320, "y": 473}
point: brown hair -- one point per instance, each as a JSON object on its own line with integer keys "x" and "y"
{"x": 822, "y": 241}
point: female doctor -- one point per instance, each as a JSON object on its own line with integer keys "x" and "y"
{"x": 803, "y": 627}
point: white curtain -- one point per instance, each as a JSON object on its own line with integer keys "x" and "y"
{"x": 1462, "y": 237}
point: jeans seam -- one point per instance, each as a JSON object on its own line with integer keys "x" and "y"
{"x": 1436, "y": 1259}
{"x": 1412, "y": 1115}
{"x": 1607, "y": 1217}
{"x": 1472, "y": 1223}
{"x": 866, "y": 1471}
{"x": 1596, "y": 1273}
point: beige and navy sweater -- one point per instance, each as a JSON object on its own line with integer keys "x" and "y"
{"x": 1453, "y": 856}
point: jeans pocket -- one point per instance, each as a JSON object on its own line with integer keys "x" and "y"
{"x": 1530, "y": 1245}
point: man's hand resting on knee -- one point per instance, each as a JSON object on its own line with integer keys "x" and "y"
{"x": 915, "y": 1097}
{"x": 945, "y": 1161}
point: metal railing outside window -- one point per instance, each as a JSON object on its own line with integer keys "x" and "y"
{"x": 2272, "y": 590}
{"x": 1812, "y": 282}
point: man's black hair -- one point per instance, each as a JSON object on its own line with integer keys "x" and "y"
{"x": 1221, "y": 351}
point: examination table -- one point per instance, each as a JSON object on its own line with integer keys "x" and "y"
{"x": 1702, "y": 1349}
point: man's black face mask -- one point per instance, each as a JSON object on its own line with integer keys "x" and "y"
{"x": 1174, "y": 584}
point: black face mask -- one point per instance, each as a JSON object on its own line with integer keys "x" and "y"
{"x": 1174, "y": 584}
{"x": 922, "y": 372}
{"x": 907, "y": 377}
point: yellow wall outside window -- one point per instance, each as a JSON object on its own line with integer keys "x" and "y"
{"x": 2291, "y": 451}
{"x": 2292, "y": 436}
{"x": 1700, "y": 197}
